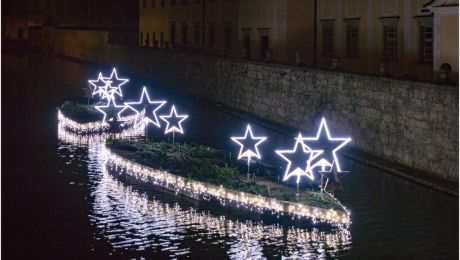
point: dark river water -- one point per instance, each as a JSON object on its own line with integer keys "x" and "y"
{"x": 59, "y": 202}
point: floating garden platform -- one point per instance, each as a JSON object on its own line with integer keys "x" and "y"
{"x": 84, "y": 119}
{"x": 203, "y": 173}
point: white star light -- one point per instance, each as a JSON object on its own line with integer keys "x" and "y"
{"x": 173, "y": 128}
{"x": 110, "y": 105}
{"x": 298, "y": 172}
{"x": 145, "y": 100}
{"x": 344, "y": 141}
{"x": 248, "y": 152}
{"x": 100, "y": 85}
{"x": 108, "y": 87}
{"x": 115, "y": 84}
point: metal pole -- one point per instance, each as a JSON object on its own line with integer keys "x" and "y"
{"x": 249, "y": 162}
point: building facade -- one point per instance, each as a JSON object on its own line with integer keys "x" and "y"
{"x": 114, "y": 15}
{"x": 400, "y": 38}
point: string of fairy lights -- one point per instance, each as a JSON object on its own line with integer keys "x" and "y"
{"x": 311, "y": 157}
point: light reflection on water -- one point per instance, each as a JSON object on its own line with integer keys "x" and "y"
{"x": 149, "y": 222}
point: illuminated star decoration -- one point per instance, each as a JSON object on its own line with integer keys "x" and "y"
{"x": 108, "y": 87}
{"x": 248, "y": 144}
{"x": 114, "y": 85}
{"x": 146, "y": 106}
{"x": 100, "y": 85}
{"x": 329, "y": 145}
{"x": 299, "y": 159}
{"x": 110, "y": 110}
{"x": 173, "y": 121}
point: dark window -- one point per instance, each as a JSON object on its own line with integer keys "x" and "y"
{"x": 426, "y": 43}
{"x": 144, "y": 3}
{"x": 184, "y": 33}
{"x": 247, "y": 45}
{"x": 228, "y": 35}
{"x": 147, "y": 40}
{"x": 154, "y": 40}
{"x": 141, "y": 40}
{"x": 173, "y": 2}
{"x": 263, "y": 47}
{"x": 162, "y": 3}
{"x": 211, "y": 34}
{"x": 390, "y": 40}
{"x": 162, "y": 39}
{"x": 197, "y": 1}
{"x": 184, "y": 2}
{"x": 153, "y": 3}
{"x": 197, "y": 34}
{"x": 352, "y": 38}
{"x": 328, "y": 37}
{"x": 172, "y": 34}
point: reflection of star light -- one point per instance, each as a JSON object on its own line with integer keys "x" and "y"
{"x": 110, "y": 110}
{"x": 248, "y": 145}
{"x": 173, "y": 122}
{"x": 148, "y": 105}
{"x": 299, "y": 159}
{"x": 329, "y": 145}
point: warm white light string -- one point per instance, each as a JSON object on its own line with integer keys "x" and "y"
{"x": 92, "y": 127}
{"x": 241, "y": 199}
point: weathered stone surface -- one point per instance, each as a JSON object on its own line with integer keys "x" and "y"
{"x": 413, "y": 123}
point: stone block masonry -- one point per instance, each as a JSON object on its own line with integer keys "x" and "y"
{"x": 412, "y": 123}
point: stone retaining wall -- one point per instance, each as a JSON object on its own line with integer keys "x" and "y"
{"x": 412, "y": 123}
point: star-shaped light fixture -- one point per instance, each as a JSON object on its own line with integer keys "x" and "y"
{"x": 111, "y": 110}
{"x": 248, "y": 144}
{"x": 108, "y": 87}
{"x": 99, "y": 85}
{"x": 173, "y": 121}
{"x": 298, "y": 160}
{"x": 115, "y": 84}
{"x": 146, "y": 106}
{"x": 329, "y": 145}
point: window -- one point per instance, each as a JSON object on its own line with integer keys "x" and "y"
{"x": 197, "y": 1}
{"x": 147, "y": 40}
{"x": 144, "y": 3}
{"x": 197, "y": 33}
{"x": 154, "y": 40}
{"x": 153, "y": 3}
{"x": 162, "y": 39}
{"x": 390, "y": 42}
{"x": 211, "y": 34}
{"x": 162, "y": 3}
{"x": 352, "y": 37}
{"x": 426, "y": 43}
{"x": 390, "y": 37}
{"x": 173, "y": 2}
{"x": 141, "y": 40}
{"x": 184, "y": 2}
{"x": 172, "y": 34}
{"x": 328, "y": 37}
{"x": 246, "y": 43}
{"x": 184, "y": 33}
{"x": 263, "y": 47}
{"x": 228, "y": 35}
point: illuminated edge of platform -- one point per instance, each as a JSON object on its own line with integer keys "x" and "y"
{"x": 92, "y": 127}
{"x": 206, "y": 191}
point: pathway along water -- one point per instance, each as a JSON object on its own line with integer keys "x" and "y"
{"x": 58, "y": 201}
